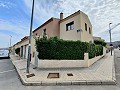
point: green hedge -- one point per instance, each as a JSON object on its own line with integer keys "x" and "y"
{"x": 55, "y": 48}
{"x": 100, "y": 42}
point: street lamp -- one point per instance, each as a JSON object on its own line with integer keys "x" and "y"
{"x": 10, "y": 40}
{"x": 110, "y": 38}
{"x": 30, "y": 37}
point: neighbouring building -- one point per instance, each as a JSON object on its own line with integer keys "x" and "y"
{"x": 96, "y": 38}
{"x": 23, "y": 45}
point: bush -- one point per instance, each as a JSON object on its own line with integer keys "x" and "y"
{"x": 100, "y": 42}
{"x": 55, "y": 48}
{"x": 17, "y": 50}
{"x": 99, "y": 50}
{"x": 91, "y": 50}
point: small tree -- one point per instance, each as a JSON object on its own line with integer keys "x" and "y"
{"x": 17, "y": 51}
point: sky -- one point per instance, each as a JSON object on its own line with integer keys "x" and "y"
{"x": 15, "y": 16}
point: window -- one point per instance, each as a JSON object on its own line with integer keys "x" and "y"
{"x": 85, "y": 26}
{"x": 70, "y": 26}
{"x": 44, "y": 31}
{"x": 89, "y": 30}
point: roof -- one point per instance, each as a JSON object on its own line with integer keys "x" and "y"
{"x": 48, "y": 21}
{"x": 70, "y": 16}
{"x": 23, "y": 39}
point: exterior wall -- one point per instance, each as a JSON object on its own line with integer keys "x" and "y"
{"x": 71, "y": 34}
{"x": 79, "y": 24}
{"x": 52, "y": 29}
{"x": 26, "y": 51}
{"x": 85, "y": 36}
{"x": 23, "y": 48}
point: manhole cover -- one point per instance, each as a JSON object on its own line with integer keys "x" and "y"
{"x": 53, "y": 75}
{"x": 30, "y": 75}
{"x": 69, "y": 74}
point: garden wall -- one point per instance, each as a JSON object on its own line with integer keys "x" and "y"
{"x": 70, "y": 63}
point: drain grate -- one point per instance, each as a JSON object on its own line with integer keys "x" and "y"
{"x": 69, "y": 74}
{"x": 53, "y": 75}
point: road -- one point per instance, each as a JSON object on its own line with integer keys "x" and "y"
{"x": 9, "y": 79}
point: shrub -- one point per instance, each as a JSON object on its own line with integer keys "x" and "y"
{"x": 55, "y": 48}
{"x": 99, "y": 50}
{"x": 91, "y": 50}
{"x": 100, "y": 42}
{"x": 17, "y": 50}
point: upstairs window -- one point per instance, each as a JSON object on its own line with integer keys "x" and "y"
{"x": 70, "y": 26}
{"x": 44, "y": 31}
{"x": 85, "y": 26}
{"x": 89, "y": 30}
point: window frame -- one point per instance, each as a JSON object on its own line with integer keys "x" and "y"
{"x": 70, "y": 26}
{"x": 86, "y": 26}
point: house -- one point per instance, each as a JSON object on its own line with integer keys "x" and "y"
{"x": 77, "y": 26}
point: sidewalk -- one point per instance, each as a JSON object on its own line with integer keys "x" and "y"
{"x": 101, "y": 72}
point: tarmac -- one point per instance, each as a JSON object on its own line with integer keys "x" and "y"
{"x": 100, "y": 73}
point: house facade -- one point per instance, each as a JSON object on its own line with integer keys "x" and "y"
{"x": 76, "y": 27}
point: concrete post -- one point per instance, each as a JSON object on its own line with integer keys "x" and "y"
{"x": 86, "y": 58}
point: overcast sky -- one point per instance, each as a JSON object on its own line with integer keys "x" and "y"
{"x": 15, "y": 16}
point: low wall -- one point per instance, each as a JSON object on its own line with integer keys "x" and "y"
{"x": 70, "y": 63}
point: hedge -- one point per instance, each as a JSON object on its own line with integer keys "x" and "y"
{"x": 100, "y": 42}
{"x": 55, "y": 48}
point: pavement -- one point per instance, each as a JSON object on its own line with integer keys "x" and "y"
{"x": 100, "y": 73}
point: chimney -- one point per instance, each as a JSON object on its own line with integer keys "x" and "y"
{"x": 61, "y": 16}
